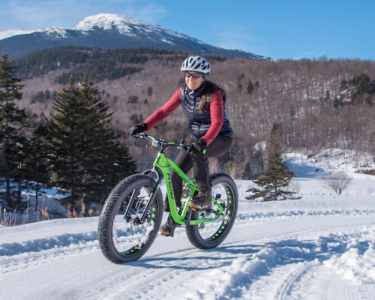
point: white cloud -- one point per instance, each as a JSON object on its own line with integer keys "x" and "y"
{"x": 36, "y": 14}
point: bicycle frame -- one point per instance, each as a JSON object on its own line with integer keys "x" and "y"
{"x": 165, "y": 164}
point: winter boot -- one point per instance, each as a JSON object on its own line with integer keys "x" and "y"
{"x": 168, "y": 228}
{"x": 203, "y": 199}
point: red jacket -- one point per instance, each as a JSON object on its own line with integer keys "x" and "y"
{"x": 216, "y": 109}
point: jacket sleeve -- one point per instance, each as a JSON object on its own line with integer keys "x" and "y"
{"x": 164, "y": 111}
{"x": 217, "y": 117}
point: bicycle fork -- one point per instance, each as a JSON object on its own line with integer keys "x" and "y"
{"x": 149, "y": 202}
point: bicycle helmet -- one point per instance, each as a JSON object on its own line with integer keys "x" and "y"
{"x": 196, "y": 64}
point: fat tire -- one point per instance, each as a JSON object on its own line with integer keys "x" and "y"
{"x": 107, "y": 218}
{"x": 219, "y": 236}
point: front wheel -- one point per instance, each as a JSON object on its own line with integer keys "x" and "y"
{"x": 211, "y": 234}
{"x": 126, "y": 238}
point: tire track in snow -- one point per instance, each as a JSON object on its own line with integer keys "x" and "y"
{"x": 136, "y": 286}
{"x": 301, "y": 213}
{"x": 120, "y": 291}
{"x": 293, "y": 277}
{"x": 128, "y": 278}
{"x": 168, "y": 262}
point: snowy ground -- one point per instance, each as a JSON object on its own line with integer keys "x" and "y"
{"x": 319, "y": 247}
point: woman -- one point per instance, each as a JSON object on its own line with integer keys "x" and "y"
{"x": 203, "y": 103}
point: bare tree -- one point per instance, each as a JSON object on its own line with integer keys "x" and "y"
{"x": 214, "y": 164}
{"x": 231, "y": 168}
{"x": 337, "y": 181}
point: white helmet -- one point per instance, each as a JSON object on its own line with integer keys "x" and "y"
{"x": 196, "y": 64}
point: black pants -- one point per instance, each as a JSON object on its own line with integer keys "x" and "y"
{"x": 199, "y": 162}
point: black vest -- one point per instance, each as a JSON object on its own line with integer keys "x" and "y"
{"x": 199, "y": 123}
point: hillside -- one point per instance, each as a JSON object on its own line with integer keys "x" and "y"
{"x": 322, "y": 104}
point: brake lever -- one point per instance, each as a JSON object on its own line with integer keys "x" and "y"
{"x": 182, "y": 145}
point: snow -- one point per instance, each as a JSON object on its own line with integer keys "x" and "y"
{"x": 123, "y": 24}
{"x": 55, "y": 32}
{"x": 52, "y": 32}
{"x": 9, "y": 33}
{"x": 167, "y": 41}
{"x": 319, "y": 247}
{"x": 106, "y": 21}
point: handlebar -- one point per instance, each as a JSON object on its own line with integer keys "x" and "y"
{"x": 162, "y": 143}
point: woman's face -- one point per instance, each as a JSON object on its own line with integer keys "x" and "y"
{"x": 191, "y": 82}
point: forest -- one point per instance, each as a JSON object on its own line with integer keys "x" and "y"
{"x": 321, "y": 103}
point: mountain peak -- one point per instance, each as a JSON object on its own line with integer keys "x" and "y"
{"x": 107, "y": 21}
{"x": 122, "y": 31}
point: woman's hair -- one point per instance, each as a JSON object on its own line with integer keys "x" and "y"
{"x": 207, "y": 93}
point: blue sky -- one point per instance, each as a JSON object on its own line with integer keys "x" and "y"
{"x": 286, "y": 29}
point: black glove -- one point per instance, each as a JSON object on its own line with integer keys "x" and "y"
{"x": 197, "y": 146}
{"x": 138, "y": 129}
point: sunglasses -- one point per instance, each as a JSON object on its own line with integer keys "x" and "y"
{"x": 195, "y": 76}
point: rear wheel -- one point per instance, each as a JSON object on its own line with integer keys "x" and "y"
{"x": 126, "y": 238}
{"x": 211, "y": 234}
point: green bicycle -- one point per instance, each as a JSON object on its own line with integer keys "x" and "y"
{"x": 132, "y": 214}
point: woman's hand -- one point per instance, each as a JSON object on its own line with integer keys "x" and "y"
{"x": 138, "y": 129}
{"x": 197, "y": 146}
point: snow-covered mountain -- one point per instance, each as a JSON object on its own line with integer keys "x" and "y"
{"x": 109, "y": 31}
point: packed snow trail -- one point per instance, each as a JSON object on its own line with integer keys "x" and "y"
{"x": 304, "y": 249}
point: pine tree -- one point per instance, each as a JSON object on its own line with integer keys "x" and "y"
{"x": 21, "y": 152}
{"x": 12, "y": 139}
{"x": 119, "y": 165}
{"x": 82, "y": 141}
{"x": 64, "y": 135}
{"x": 250, "y": 87}
{"x": 247, "y": 174}
{"x": 149, "y": 91}
{"x": 37, "y": 164}
{"x": 276, "y": 176}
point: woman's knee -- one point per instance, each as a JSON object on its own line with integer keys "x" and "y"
{"x": 219, "y": 146}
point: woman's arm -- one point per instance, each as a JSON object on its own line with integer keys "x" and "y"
{"x": 217, "y": 117}
{"x": 164, "y": 111}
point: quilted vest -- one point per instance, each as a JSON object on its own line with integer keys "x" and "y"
{"x": 199, "y": 123}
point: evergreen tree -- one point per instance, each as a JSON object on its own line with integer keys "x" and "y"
{"x": 37, "y": 164}
{"x": 65, "y": 139}
{"x": 276, "y": 176}
{"x": 12, "y": 139}
{"x": 119, "y": 165}
{"x": 82, "y": 143}
{"x": 247, "y": 174}
{"x": 21, "y": 152}
{"x": 149, "y": 91}
{"x": 250, "y": 87}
